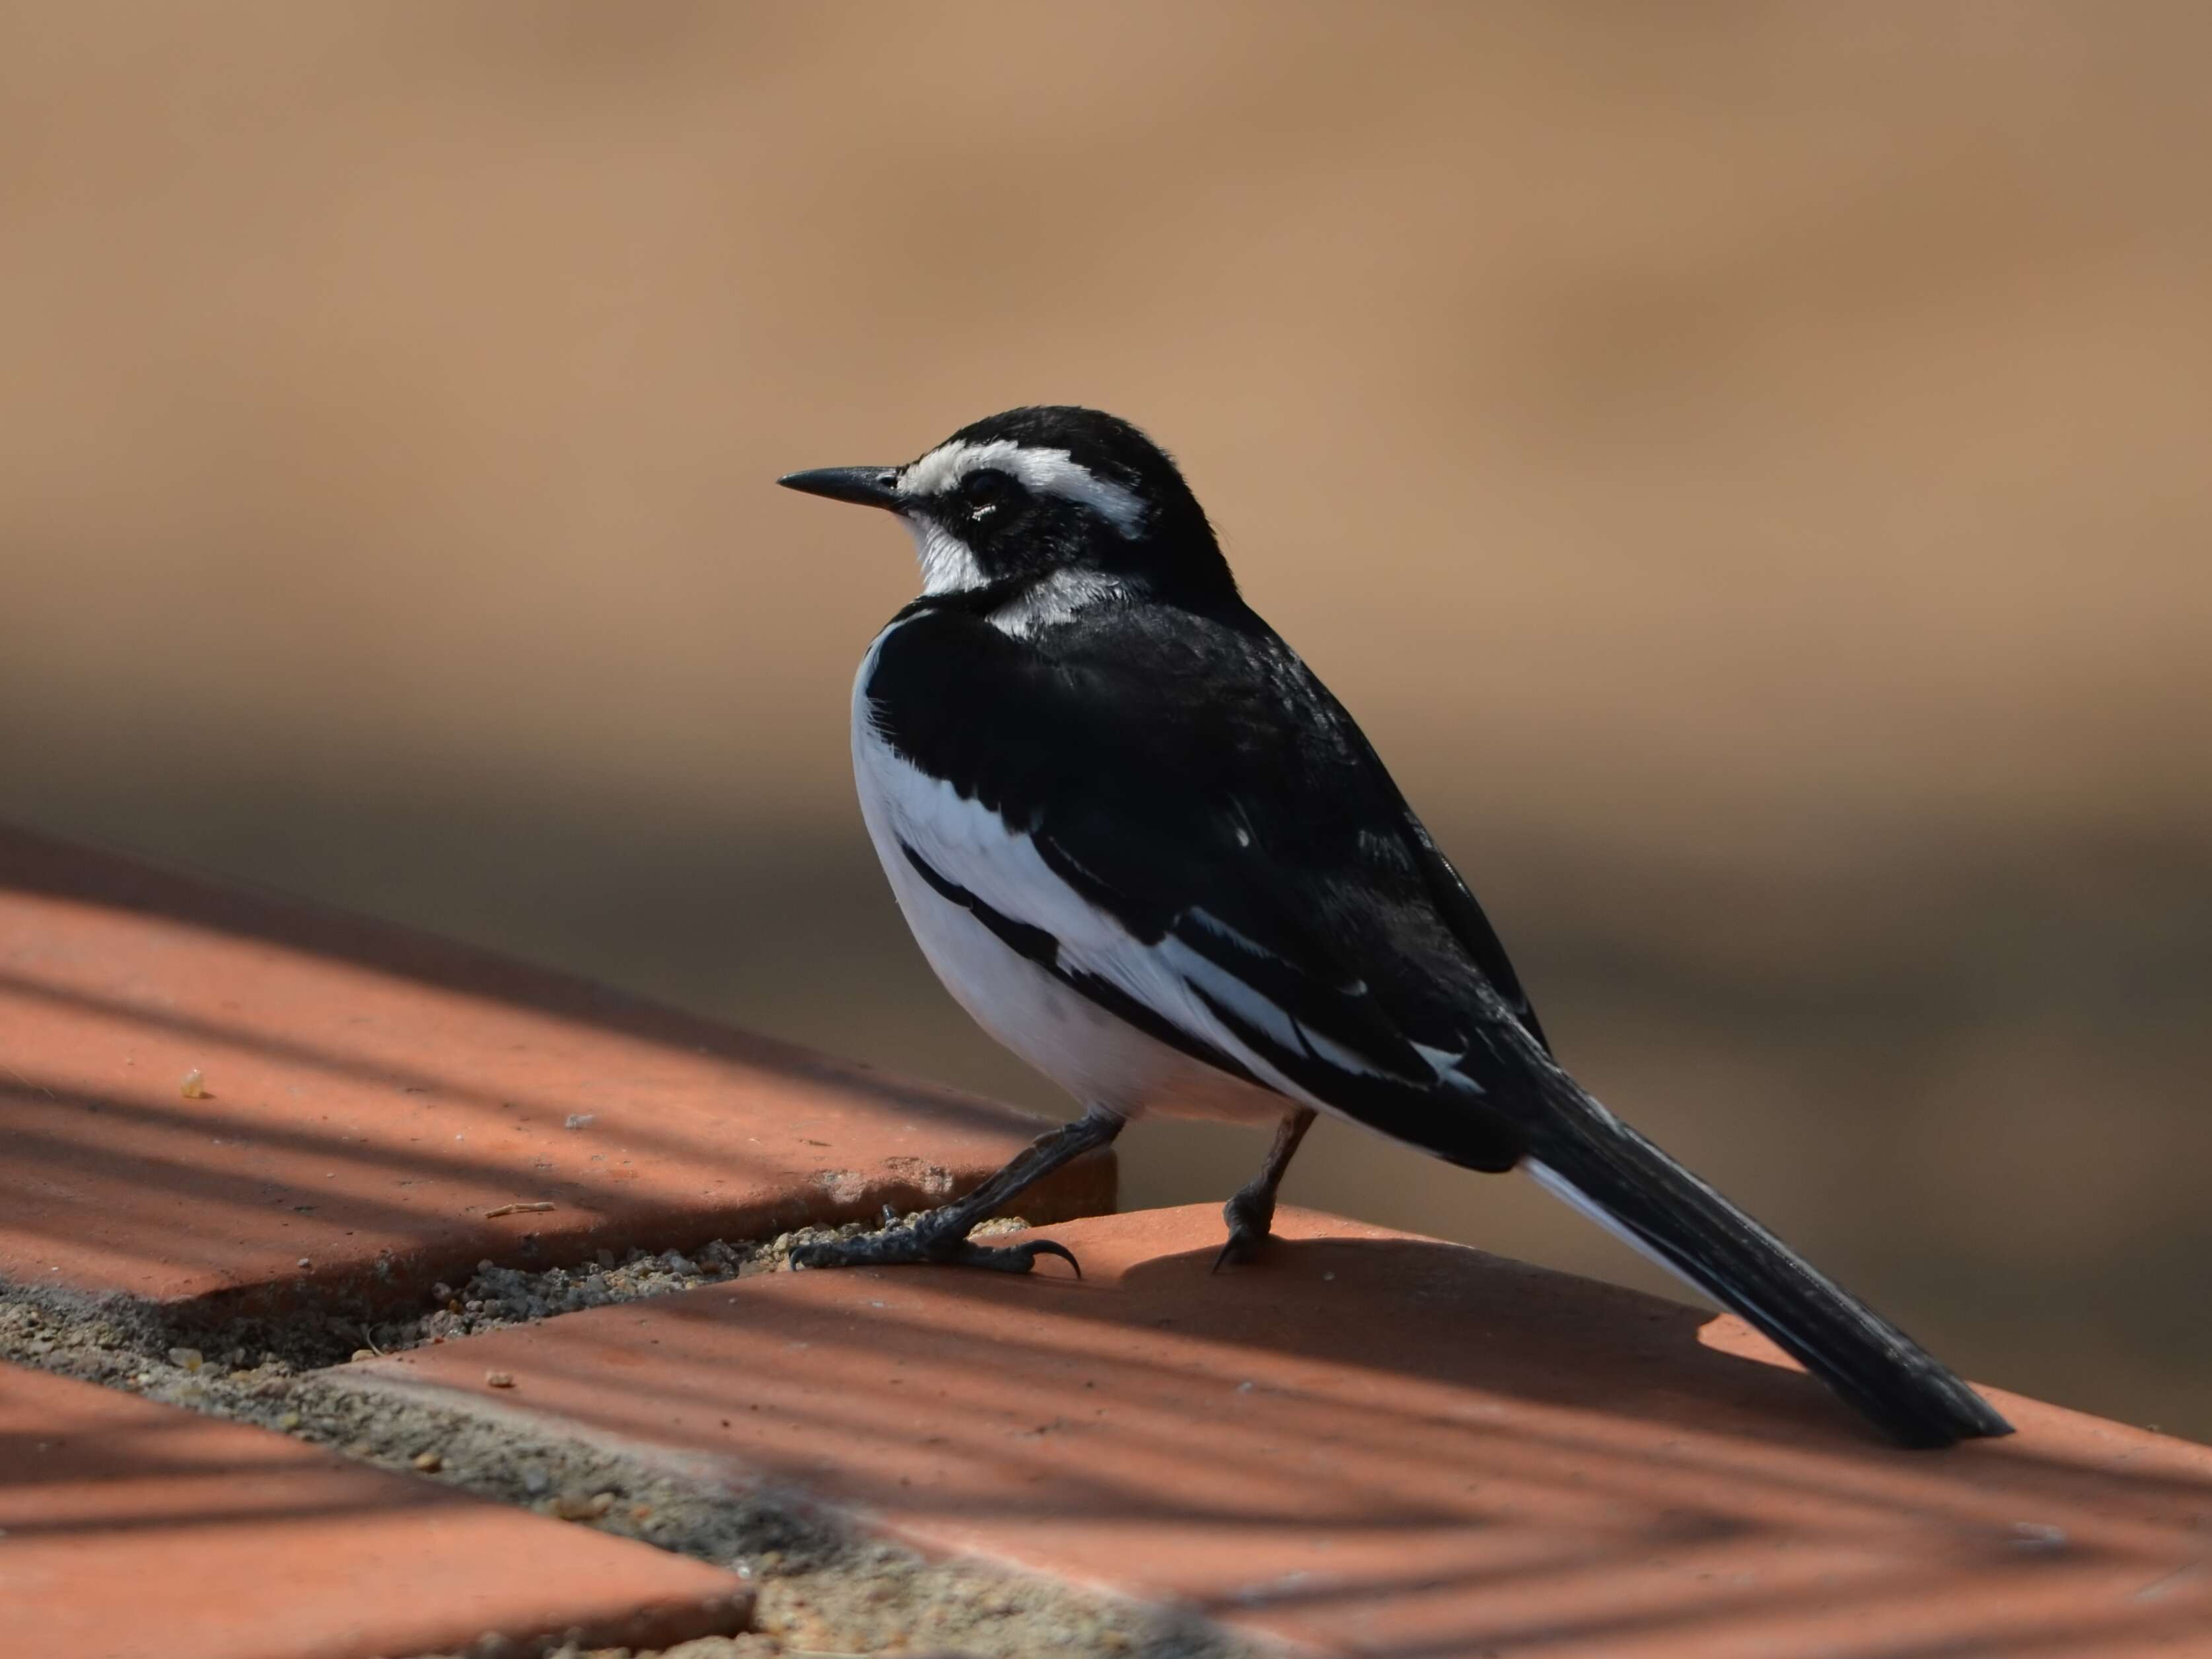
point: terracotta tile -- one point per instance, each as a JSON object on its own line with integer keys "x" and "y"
{"x": 1380, "y": 1444}
{"x": 369, "y": 1097}
{"x": 130, "y": 1528}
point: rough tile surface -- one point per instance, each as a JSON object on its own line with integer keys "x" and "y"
{"x": 129, "y": 1530}
{"x": 366, "y": 1102}
{"x": 1373, "y": 1443}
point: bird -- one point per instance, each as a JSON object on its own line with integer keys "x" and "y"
{"x": 1146, "y": 849}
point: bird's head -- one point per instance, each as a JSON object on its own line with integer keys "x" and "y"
{"x": 1042, "y": 491}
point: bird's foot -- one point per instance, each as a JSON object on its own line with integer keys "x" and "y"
{"x": 1249, "y": 1220}
{"x": 946, "y": 1246}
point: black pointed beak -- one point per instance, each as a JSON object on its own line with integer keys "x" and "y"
{"x": 870, "y": 486}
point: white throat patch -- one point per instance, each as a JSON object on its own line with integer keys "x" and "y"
{"x": 947, "y": 565}
{"x": 1042, "y": 472}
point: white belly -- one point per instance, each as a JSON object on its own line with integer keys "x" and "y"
{"x": 1100, "y": 1059}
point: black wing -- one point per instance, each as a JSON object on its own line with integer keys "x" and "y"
{"x": 1454, "y": 899}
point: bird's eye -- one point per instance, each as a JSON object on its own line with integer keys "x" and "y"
{"x": 983, "y": 492}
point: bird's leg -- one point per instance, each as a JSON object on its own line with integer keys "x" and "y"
{"x": 942, "y": 1234}
{"x": 1252, "y": 1211}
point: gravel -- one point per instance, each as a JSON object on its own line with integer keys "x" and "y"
{"x": 822, "y": 1587}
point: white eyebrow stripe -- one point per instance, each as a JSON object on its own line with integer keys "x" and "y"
{"x": 1044, "y": 471}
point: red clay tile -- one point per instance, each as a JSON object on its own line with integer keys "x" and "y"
{"x": 1380, "y": 1444}
{"x": 367, "y": 1099}
{"x": 129, "y": 1528}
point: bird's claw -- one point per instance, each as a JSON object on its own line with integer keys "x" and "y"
{"x": 1241, "y": 1246}
{"x": 1251, "y": 1219}
{"x": 901, "y": 1246}
{"x": 1036, "y": 1247}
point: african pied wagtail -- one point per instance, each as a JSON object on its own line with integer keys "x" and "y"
{"x": 1150, "y": 853}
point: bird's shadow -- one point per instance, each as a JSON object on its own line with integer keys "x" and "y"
{"x": 1450, "y": 1314}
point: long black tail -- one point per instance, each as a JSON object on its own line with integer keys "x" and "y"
{"x": 1584, "y": 1155}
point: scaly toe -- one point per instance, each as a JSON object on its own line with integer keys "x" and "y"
{"x": 885, "y": 1249}
{"x": 906, "y": 1245}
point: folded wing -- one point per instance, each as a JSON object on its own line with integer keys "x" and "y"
{"x": 1213, "y": 873}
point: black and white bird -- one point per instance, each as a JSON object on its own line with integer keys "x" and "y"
{"x": 1148, "y": 851}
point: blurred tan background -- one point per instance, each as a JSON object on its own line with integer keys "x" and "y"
{"x": 1747, "y": 467}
